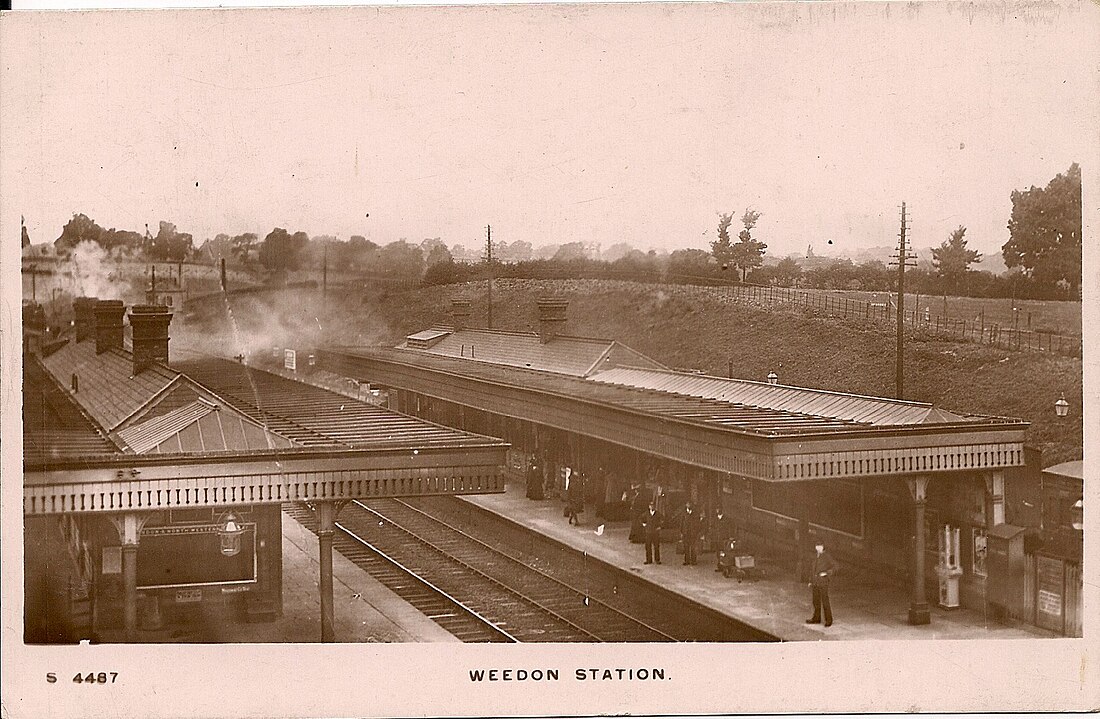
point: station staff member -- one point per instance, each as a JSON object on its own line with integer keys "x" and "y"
{"x": 652, "y": 521}
{"x": 824, "y": 568}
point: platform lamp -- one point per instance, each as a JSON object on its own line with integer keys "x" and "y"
{"x": 1077, "y": 515}
{"x": 773, "y": 378}
{"x": 1061, "y": 407}
{"x": 230, "y": 532}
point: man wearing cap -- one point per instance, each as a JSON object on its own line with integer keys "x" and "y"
{"x": 824, "y": 567}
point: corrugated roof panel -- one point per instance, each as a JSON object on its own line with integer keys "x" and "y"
{"x": 147, "y": 435}
{"x": 820, "y": 403}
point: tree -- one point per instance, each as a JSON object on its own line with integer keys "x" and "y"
{"x": 748, "y": 253}
{"x": 689, "y": 262}
{"x": 952, "y": 259}
{"x": 1045, "y": 231}
{"x": 282, "y": 251}
{"x": 571, "y": 251}
{"x": 722, "y": 248}
{"x": 402, "y": 259}
{"x": 617, "y": 250}
{"x": 241, "y": 246}
{"x": 170, "y": 244}
{"x": 77, "y": 230}
{"x": 787, "y": 272}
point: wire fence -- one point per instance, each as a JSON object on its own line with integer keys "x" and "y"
{"x": 916, "y": 321}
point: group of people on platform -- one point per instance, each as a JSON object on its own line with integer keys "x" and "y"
{"x": 647, "y": 522}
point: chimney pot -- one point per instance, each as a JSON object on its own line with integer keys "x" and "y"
{"x": 150, "y": 335}
{"x": 108, "y": 325}
{"x": 552, "y": 316}
{"x": 460, "y": 314}
{"x": 84, "y": 317}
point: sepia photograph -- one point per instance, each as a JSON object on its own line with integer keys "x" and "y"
{"x": 684, "y": 345}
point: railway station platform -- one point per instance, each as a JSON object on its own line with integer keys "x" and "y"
{"x": 776, "y": 603}
{"x": 364, "y": 610}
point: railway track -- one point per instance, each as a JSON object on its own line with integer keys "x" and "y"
{"x": 513, "y": 597}
{"x": 445, "y": 610}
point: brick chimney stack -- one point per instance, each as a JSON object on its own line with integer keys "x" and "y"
{"x": 150, "y": 335}
{"x": 460, "y": 314}
{"x": 108, "y": 325}
{"x": 552, "y": 315}
{"x": 84, "y": 317}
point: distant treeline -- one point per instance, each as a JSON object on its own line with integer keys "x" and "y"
{"x": 824, "y": 274}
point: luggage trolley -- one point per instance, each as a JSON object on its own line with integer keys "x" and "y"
{"x": 732, "y": 560}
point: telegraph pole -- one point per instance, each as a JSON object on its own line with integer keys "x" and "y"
{"x": 489, "y": 266}
{"x": 902, "y": 258}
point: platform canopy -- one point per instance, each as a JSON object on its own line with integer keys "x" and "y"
{"x": 213, "y": 432}
{"x": 753, "y": 429}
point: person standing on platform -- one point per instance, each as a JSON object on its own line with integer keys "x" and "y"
{"x": 824, "y": 568}
{"x": 534, "y": 479}
{"x": 691, "y": 526}
{"x": 723, "y": 532}
{"x": 637, "y": 513}
{"x": 574, "y": 496}
{"x": 652, "y": 522}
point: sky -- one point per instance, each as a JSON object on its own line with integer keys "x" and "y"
{"x": 553, "y": 124}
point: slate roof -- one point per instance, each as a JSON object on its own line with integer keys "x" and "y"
{"x": 576, "y": 356}
{"x": 316, "y": 417}
{"x": 53, "y": 427}
{"x": 107, "y": 389}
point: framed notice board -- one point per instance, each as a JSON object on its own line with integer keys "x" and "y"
{"x": 1050, "y": 582}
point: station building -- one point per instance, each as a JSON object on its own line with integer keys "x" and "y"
{"x": 902, "y": 491}
{"x": 165, "y": 480}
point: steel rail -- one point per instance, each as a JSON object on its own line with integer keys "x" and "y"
{"x": 513, "y": 560}
{"x": 408, "y": 572}
{"x": 511, "y": 590}
{"x": 523, "y": 564}
{"x": 489, "y": 623}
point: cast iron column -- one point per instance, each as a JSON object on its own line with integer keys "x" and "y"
{"x": 918, "y": 602}
{"x": 129, "y": 527}
{"x": 129, "y": 589}
{"x": 325, "y": 521}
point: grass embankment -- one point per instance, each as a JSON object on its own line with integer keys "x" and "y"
{"x": 686, "y": 329}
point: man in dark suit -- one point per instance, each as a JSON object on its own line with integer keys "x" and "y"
{"x": 651, "y": 524}
{"x": 691, "y": 526}
{"x": 723, "y": 531}
{"x": 824, "y": 568}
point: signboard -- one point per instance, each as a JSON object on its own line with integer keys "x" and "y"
{"x": 290, "y": 360}
{"x": 112, "y": 560}
{"x": 190, "y": 556}
{"x": 1050, "y": 583}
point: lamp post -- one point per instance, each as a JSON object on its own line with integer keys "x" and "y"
{"x": 1061, "y": 407}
